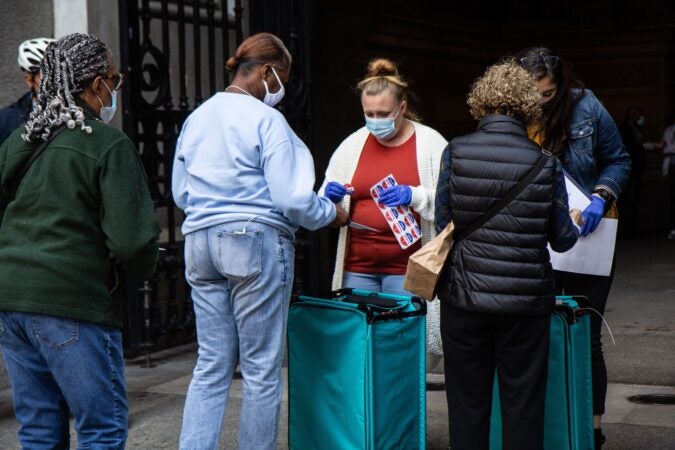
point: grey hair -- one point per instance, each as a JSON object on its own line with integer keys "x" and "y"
{"x": 68, "y": 67}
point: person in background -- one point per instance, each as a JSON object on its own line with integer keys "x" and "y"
{"x": 633, "y": 139}
{"x": 579, "y": 131}
{"x": 668, "y": 170}
{"x": 393, "y": 141}
{"x": 79, "y": 216}
{"x": 31, "y": 53}
{"x": 497, "y": 290}
{"x": 245, "y": 182}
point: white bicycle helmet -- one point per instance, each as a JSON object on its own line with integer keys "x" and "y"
{"x": 31, "y": 53}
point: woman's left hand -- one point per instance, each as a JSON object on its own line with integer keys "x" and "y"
{"x": 592, "y": 215}
{"x": 396, "y": 195}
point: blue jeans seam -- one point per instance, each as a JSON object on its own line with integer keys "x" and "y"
{"x": 284, "y": 281}
{"x": 112, "y": 385}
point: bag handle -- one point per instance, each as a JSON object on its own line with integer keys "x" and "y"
{"x": 498, "y": 206}
{"x": 14, "y": 184}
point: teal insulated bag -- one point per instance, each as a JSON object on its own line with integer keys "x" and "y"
{"x": 568, "y": 417}
{"x": 356, "y": 372}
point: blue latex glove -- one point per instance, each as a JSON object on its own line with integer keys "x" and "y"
{"x": 396, "y": 195}
{"x": 334, "y": 191}
{"x": 592, "y": 215}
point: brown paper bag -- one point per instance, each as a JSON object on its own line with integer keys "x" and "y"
{"x": 425, "y": 265}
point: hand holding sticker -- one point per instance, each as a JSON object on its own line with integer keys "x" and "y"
{"x": 393, "y": 199}
{"x": 396, "y": 195}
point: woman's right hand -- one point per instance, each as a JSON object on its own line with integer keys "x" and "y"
{"x": 334, "y": 191}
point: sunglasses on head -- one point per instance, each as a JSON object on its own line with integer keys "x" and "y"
{"x": 548, "y": 61}
{"x": 118, "y": 79}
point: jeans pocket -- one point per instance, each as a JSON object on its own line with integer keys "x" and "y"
{"x": 56, "y": 332}
{"x": 240, "y": 254}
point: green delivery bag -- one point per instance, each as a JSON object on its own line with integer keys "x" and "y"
{"x": 568, "y": 417}
{"x": 356, "y": 372}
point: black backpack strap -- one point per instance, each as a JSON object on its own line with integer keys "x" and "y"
{"x": 14, "y": 184}
{"x": 498, "y": 206}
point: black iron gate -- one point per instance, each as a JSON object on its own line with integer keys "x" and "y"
{"x": 174, "y": 54}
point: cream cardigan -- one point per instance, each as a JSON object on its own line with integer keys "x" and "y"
{"x": 341, "y": 168}
{"x": 342, "y": 165}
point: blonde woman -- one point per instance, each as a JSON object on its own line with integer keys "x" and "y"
{"x": 497, "y": 292}
{"x": 391, "y": 142}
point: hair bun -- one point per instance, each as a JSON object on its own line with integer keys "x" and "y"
{"x": 232, "y": 63}
{"x": 382, "y": 67}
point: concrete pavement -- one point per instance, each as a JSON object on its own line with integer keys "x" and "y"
{"x": 640, "y": 312}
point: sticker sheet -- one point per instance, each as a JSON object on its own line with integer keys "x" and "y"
{"x": 400, "y": 219}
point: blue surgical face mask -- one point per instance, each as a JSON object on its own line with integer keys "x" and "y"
{"x": 272, "y": 99}
{"x": 384, "y": 128}
{"x": 108, "y": 112}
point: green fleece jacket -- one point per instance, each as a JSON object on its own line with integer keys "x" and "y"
{"x": 82, "y": 213}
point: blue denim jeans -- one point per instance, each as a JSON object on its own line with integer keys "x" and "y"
{"x": 391, "y": 284}
{"x": 241, "y": 276}
{"x": 57, "y": 365}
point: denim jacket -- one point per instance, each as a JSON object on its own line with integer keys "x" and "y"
{"x": 594, "y": 154}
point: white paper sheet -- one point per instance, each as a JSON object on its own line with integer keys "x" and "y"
{"x": 593, "y": 254}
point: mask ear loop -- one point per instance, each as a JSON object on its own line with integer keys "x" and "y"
{"x": 281, "y": 85}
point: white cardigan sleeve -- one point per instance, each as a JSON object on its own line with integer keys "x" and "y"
{"x": 430, "y": 146}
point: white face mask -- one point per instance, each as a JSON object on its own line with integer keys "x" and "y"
{"x": 272, "y": 99}
{"x": 108, "y": 112}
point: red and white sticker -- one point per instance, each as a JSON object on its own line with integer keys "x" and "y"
{"x": 400, "y": 218}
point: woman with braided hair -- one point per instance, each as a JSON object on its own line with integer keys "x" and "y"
{"x": 67, "y": 73}
{"x": 74, "y": 209}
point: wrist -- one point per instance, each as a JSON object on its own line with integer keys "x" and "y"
{"x": 418, "y": 197}
{"x": 598, "y": 197}
{"x": 604, "y": 194}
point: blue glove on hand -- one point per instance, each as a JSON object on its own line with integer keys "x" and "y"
{"x": 592, "y": 215}
{"x": 334, "y": 191}
{"x": 396, "y": 195}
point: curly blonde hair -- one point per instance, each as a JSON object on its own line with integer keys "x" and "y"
{"x": 505, "y": 88}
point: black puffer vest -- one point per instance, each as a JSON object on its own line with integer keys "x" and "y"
{"x": 502, "y": 267}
